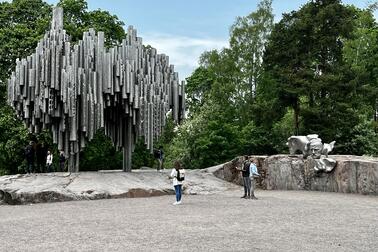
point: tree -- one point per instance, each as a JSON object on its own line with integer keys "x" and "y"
{"x": 249, "y": 35}
{"x": 13, "y": 139}
{"x": 304, "y": 57}
{"x": 100, "y": 154}
{"x": 220, "y": 94}
{"x": 77, "y": 19}
{"x": 22, "y": 24}
{"x": 361, "y": 55}
{"x": 197, "y": 88}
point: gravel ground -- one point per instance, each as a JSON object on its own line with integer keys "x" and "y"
{"x": 278, "y": 221}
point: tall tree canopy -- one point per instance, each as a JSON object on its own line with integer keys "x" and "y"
{"x": 221, "y": 93}
{"x": 305, "y": 59}
{"x": 312, "y": 72}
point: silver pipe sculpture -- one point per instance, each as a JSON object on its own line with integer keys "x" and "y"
{"x": 73, "y": 90}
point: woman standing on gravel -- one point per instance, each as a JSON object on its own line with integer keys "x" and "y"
{"x": 177, "y": 176}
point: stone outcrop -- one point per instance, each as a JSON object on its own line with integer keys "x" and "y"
{"x": 55, "y": 187}
{"x": 352, "y": 174}
{"x": 229, "y": 173}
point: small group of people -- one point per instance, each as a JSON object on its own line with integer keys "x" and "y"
{"x": 249, "y": 172}
{"x": 44, "y": 158}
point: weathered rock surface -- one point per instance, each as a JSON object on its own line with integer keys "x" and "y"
{"x": 352, "y": 174}
{"x": 52, "y": 187}
{"x": 229, "y": 173}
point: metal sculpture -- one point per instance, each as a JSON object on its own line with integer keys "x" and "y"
{"x": 73, "y": 90}
{"x": 311, "y": 145}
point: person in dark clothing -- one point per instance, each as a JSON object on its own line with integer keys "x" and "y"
{"x": 246, "y": 177}
{"x": 62, "y": 161}
{"x": 29, "y": 156}
{"x": 160, "y": 157}
{"x": 41, "y": 157}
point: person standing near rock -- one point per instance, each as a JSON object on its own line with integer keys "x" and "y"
{"x": 29, "y": 156}
{"x": 62, "y": 161}
{"x": 41, "y": 155}
{"x": 246, "y": 177}
{"x": 177, "y": 176}
{"x": 161, "y": 158}
{"x": 49, "y": 160}
{"x": 252, "y": 173}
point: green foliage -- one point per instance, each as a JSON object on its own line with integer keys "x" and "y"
{"x": 364, "y": 140}
{"x": 247, "y": 41}
{"x": 168, "y": 132}
{"x": 202, "y": 141}
{"x": 100, "y": 154}
{"x": 22, "y": 24}
{"x": 281, "y": 130}
{"x": 77, "y": 19}
{"x": 316, "y": 72}
{"x": 198, "y": 87}
{"x": 221, "y": 97}
{"x": 361, "y": 56}
{"x": 179, "y": 149}
{"x": 13, "y": 139}
{"x": 305, "y": 59}
{"x": 142, "y": 156}
{"x": 256, "y": 140}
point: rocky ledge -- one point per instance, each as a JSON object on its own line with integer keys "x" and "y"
{"x": 352, "y": 174}
{"x": 53, "y": 187}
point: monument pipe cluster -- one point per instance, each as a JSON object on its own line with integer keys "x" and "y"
{"x": 73, "y": 90}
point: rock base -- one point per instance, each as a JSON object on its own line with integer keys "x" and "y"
{"x": 55, "y": 187}
{"x": 352, "y": 174}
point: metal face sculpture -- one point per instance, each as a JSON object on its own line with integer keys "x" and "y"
{"x": 73, "y": 90}
{"x": 311, "y": 145}
{"x": 315, "y": 147}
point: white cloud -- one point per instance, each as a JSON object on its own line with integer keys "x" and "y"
{"x": 183, "y": 52}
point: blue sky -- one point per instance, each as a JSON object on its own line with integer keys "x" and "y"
{"x": 183, "y": 29}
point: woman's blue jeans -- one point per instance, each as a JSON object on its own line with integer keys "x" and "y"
{"x": 178, "y": 192}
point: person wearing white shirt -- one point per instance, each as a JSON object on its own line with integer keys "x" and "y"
{"x": 177, "y": 176}
{"x": 252, "y": 173}
{"x": 49, "y": 160}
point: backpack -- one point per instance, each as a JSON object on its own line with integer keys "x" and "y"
{"x": 180, "y": 177}
{"x": 246, "y": 165}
